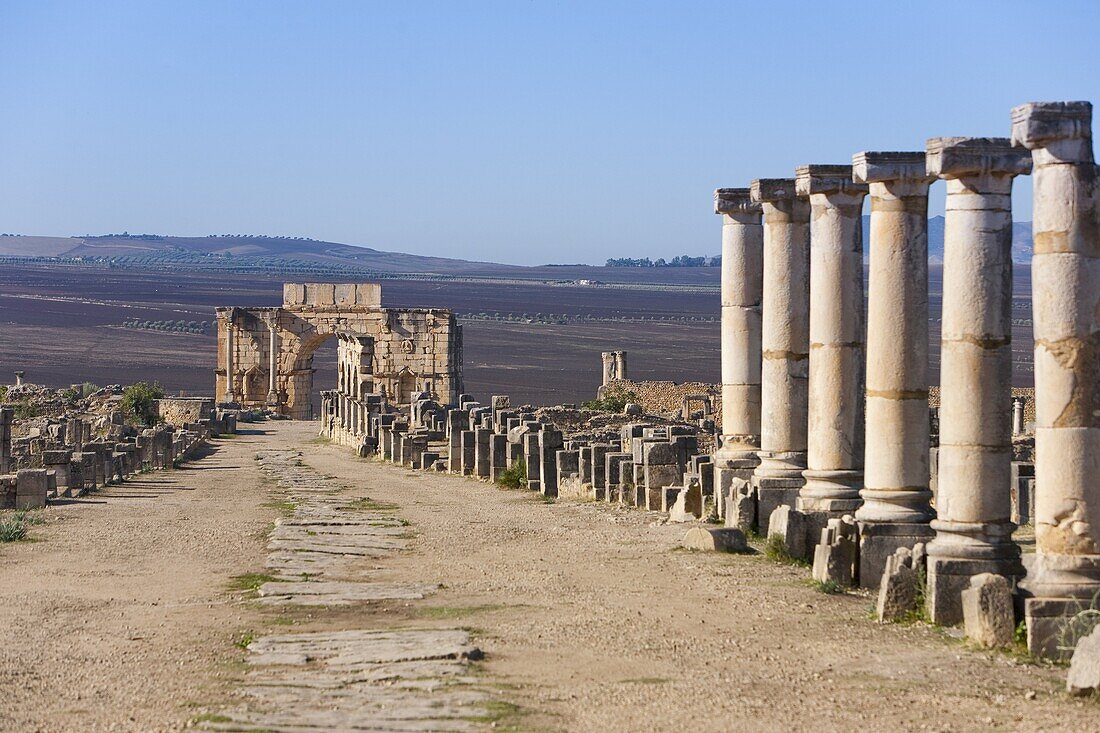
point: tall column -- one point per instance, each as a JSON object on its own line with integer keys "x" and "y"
{"x": 6, "y": 416}
{"x": 973, "y": 502}
{"x": 834, "y": 473}
{"x": 230, "y": 355}
{"x": 272, "y": 360}
{"x": 742, "y": 290}
{"x": 896, "y": 511}
{"x": 1065, "y": 291}
{"x": 620, "y": 364}
{"x": 785, "y": 343}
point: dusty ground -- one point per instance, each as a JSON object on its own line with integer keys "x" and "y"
{"x": 591, "y": 618}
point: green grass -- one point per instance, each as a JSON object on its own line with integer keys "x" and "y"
{"x": 250, "y": 582}
{"x": 13, "y": 526}
{"x": 367, "y": 504}
{"x": 515, "y": 477}
{"x": 499, "y": 714}
{"x": 775, "y": 548}
{"x": 645, "y": 681}
{"x": 828, "y": 587}
{"x": 211, "y": 718}
{"x": 451, "y": 612}
{"x": 244, "y": 640}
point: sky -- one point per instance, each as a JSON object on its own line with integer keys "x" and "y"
{"x": 524, "y": 132}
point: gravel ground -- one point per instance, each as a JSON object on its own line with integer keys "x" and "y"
{"x": 591, "y": 618}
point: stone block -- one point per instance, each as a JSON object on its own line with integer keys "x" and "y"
{"x": 294, "y": 294}
{"x": 1084, "y": 666}
{"x": 879, "y": 540}
{"x": 716, "y": 539}
{"x": 987, "y": 611}
{"x": 898, "y": 589}
{"x": 742, "y": 512}
{"x": 663, "y": 454}
{"x": 660, "y": 476}
{"x": 31, "y": 488}
{"x": 791, "y": 525}
{"x": 771, "y": 493}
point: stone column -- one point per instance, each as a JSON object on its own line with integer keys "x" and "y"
{"x": 620, "y": 364}
{"x": 230, "y": 354}
{"x": 1018, "y": 415}
{"x": 834, "y": 473}
{"x": 6, "y": 416}
{"x": 272, "y": 361}
{"x": 1065, "y": 286}
{"x": 973, "y": 502}
{"x": 785, "y": 343}
{"x": 896, "y": 511}
{"x": 742, "y": 291}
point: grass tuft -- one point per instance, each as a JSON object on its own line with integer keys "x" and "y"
{"x": 828, "y": 587}
{"x": 775, "y": 548}
{"x": 250, "y": 582}
{"x": 515, "y": 477}
{"x": 244, "y": 640}
{"x": 13, "y": 527}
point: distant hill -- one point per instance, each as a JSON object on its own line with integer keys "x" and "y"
{"x": 151, "y": 249}
{"x": 1021, "y": 239}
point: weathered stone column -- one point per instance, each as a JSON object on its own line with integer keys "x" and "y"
{"x": 785, "y": 344}
{"x": 896, "y": 510}
{"x": 973, "y": 503}
{"x": 834, "y": 473}
{"x": 272, "y": 361}
{"x": 230, "y": 355}
{"x": 6, "y": 416}
{"x": 742, "y": 290}
{"x": 1065, "y": 285}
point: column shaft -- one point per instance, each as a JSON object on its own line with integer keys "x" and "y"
{"x": 1066, "y": 304}
{"x": 742, "y": 274}
{"x": 785, "y": 338}
{"x": 973, "y": 503}
{"x": 834, "y": 472}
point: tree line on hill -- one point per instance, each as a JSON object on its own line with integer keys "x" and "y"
{"x": 680, "y": 261}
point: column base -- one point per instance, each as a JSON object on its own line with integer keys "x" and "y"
{"x": 771, "y": 493}
{"x": 948, "y": 577}
{"x": 880, "y": 540}
{"x": 832, "y": 492}
{"x": 1055, "y": 625}
{"x": 727, "y": 467}
{"x": 781, "y": 464}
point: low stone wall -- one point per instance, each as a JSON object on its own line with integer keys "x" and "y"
{"x": 666, "y": 398}
{"x": 180, "y": 411}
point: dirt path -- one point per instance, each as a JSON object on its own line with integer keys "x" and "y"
{"x": 117, "y": 616}
{"x": 590, "y": 616}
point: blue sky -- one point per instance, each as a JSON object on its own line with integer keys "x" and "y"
{"x": 523, "y": 132}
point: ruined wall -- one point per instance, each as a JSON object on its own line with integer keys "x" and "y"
{"x": 180, "y": 411}
{"x": 666, "y": 398}
{"x": 663, "y": 398}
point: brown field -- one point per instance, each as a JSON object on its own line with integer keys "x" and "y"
{"x": 62, "y": 325}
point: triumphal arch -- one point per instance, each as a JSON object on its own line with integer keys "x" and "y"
{"x": 265, "y": 355}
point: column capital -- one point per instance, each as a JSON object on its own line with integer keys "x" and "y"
{"x": 826, "y": 179}
{"x": 1062, "y": 129}
{"x": 886, "y": 167}
{"x": 960, "y": 157}
{"x": 731, "y": 201}
{"x": 769, "y": 190}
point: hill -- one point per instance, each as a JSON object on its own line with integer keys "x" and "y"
{"x": 233, "y": 251}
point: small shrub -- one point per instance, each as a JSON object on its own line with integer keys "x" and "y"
{"x": 775, "y": 548}
{"x": 13, "y": 527}
{"x": 828, "y": 587}
{"x": 140, "y": 401}
{"x": 25, "y": 410}
{"x": 515, "y": 477}
{"x": 613, "y": 400}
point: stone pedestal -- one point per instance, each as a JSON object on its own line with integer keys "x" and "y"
{"x": 785, "y": 345}
{"x": 742, "y": 291}
{"x": 1065, "y": 577}
{"x": 834, "y": 473}
{"x": 896, "y": 510}
{"x": 973, "y": 501}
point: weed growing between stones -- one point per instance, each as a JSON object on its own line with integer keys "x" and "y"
{"x": 775, "y": 548}
{"x": 13, "y": 526}
{"x": 515, "y": 477}
{"x": 251, "y": 582}
{"x": 828, "y": 587}
{"x": 244, "y": 640}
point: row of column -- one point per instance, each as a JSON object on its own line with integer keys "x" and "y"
{"x": 797, "y": 374}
